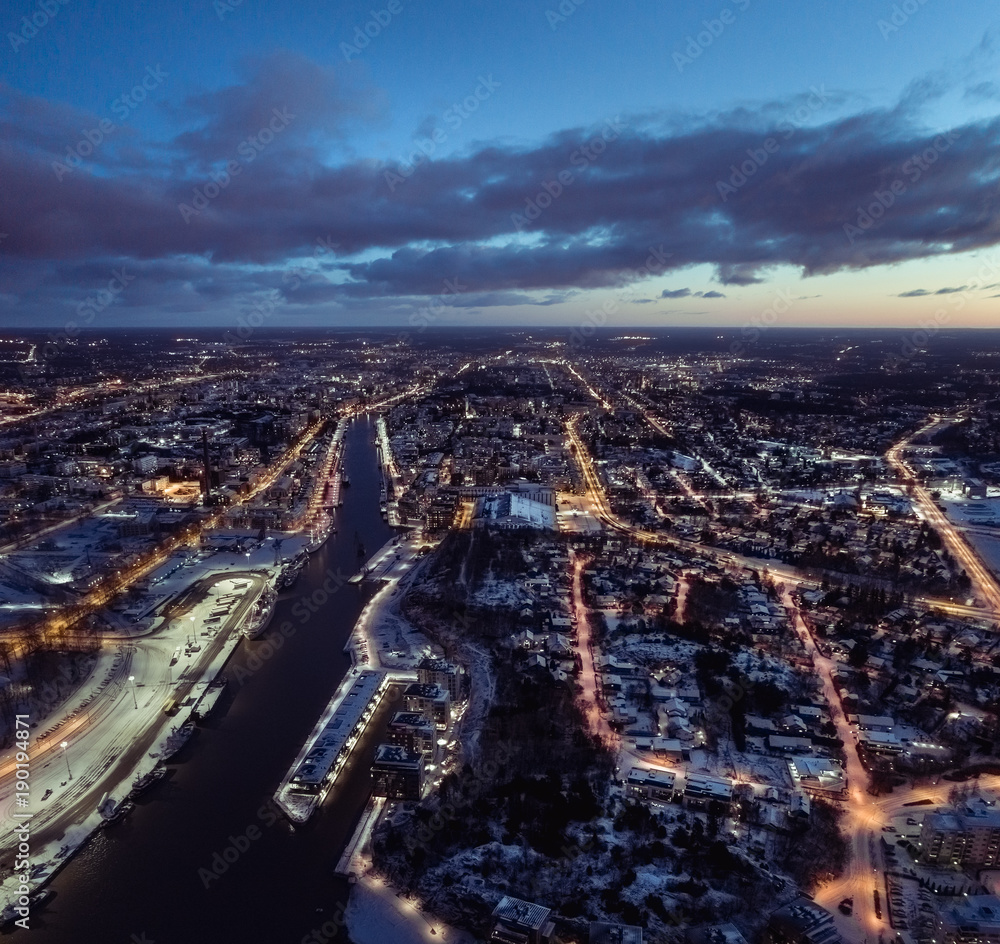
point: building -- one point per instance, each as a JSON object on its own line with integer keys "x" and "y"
{"x": 819, "y": 776}
{"x": 651, "y": 784}
{"x": 414, "y": 731}
{"x": 975, "y": 488}
{"x": 521, "y": 922}
{"x": 715, "y": 934}
{"x": 880, "y": 742}
{"x": 431, "y": 700}
{"x": 333, "y": 746}
{"x": 972, "y": 920}
{"x": 397, "y": 773}
{"x": 961, "y": 838}
{"x": 700, "y": 791}
{"x": 440, "y": 672}
{"x": 509, "y": 510}
{"x": 601, "y": 932}
{"x": 802, "y": 921}
{"x": 144, "y": 464}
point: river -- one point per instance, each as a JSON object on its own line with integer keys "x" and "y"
{"x": 149, "y": 879}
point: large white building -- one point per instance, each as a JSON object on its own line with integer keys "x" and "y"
{"x": 510, "y": 510}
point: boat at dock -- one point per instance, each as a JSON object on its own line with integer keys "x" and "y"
{"x": 260, "y": 616}
{"x": 206, "y": 704}
{"x": 319, "y": 534}
{"x": 143, "y": 783}
{"x": 117, "y": 814}
{"x": 177, "y": 739}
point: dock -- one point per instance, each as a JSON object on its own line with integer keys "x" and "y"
{"x": 331, "y": 743}
{"x": 351, "y": 864}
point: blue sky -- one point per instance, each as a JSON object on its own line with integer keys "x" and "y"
{"x": 744, "y": 144}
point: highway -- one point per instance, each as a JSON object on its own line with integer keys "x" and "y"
{"x": 984, "y": 583}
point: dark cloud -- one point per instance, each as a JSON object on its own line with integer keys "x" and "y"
{"x": 920, "y": 292}
{"x": 648, "y": 202}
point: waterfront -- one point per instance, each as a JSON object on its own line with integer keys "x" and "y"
{"x": 205, "y": 857}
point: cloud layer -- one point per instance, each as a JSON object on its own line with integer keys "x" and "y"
{"x": 505, "y": 224}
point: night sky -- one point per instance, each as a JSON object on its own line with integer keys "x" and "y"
{"x": 499, "y": 162}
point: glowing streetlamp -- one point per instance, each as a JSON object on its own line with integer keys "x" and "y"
{"x": 131, "y": 679}
{"x": 64, "y": 745}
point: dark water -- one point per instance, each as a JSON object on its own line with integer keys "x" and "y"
{"x": 139, "y": 882}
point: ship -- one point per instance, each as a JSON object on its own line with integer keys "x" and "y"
{"x": 261, "y": 615}
{"x": 345, "y": 479}
{"x": 177, "y": 739}
{"x": 318, "y": 537}
{"x": 209, "y": 699}
{"x": 117, "y": 814}
{"x": 144, "y": 782}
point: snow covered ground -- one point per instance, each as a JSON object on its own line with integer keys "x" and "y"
{"x": 92, "y": 744}
{"x": 376, "y": 914}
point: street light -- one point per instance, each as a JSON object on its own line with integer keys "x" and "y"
{"x": 64, "y": 745}
{"x": 131, "y": 679}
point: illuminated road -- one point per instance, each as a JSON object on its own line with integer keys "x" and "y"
{"x": 863, "y": 819}
{"x": 985, "y": 586}
{"x": 589, "y": 697}
{"x": 112, "y": 734}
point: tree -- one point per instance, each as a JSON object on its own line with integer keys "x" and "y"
{"x": 859, "y": 654}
